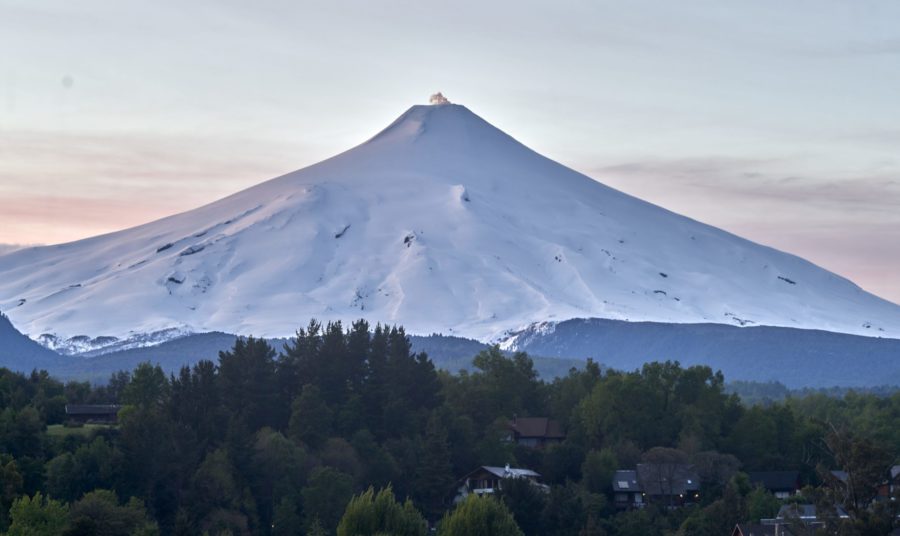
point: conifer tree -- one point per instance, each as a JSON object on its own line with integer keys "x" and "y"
{"x": 434, "y": 478}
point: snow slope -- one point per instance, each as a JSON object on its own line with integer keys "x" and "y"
{"x": 442, "y": 223}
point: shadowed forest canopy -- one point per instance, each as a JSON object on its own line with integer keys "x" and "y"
{"x": 347, "y": 427}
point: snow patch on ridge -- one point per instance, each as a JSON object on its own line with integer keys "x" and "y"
{"x": 87, "y": 346}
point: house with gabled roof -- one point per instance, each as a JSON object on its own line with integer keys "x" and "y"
{"x": 535, "y": 432}
{"x": 627, "y": 493}
{"x": 488, "y": 480}
{"x": 674, "y": 485}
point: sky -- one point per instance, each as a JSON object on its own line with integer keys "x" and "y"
{"x": 777, "y": 121}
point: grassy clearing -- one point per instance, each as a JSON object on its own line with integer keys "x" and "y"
{"x": 58, "y": 430}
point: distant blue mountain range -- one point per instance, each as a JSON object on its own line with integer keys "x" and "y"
{"x": 796, "y": 358}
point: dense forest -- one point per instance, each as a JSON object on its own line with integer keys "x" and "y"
{"x": 349, "y": 432}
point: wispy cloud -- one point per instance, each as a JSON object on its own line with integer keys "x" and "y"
{"x": 58, "y": 187}
{"x": 757, "y": 181}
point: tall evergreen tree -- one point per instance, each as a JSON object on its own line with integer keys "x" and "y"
{"x": 311, "y": 418}
{"x": 434, "y": 477}
{"x": 247, "y": 381}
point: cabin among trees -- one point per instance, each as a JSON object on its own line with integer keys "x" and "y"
{"x": 535, "y": 432}
{"x": 92, "y": 413}
{"x": 669, "y": 485}
{"x": 488, "y": 480}
{"x": 781, "y": 484}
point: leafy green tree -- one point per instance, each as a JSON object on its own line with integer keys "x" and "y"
{"x": 562, "y": 462}
{"x": 62, "y": 480}
{"x": 761, "y": 505}
{"x": 434, "y": 477}
{"x": 598, "y": 470}
{"x": 525, "y": 502}
{"x": 640, "y": 522}
{"x": 721, "y": 515}
{"x": 310, "y": 421}
{"x": 325, "y": 497}
{"x": 10, "y": 487}
{"x": 92, "y": 466}
{"x": 37, "y": 516}
{"x": 99, "y": 513}
{"x": 564, "y": 512}
{"x": 286, "y": 521}
{"x": 479, "y": 516}
{"x": 510, "y": 384}
{"x": 20, "y": 432}
{"x": 316, "y": 528}
{"x": 379, "y": 467}
{"x": 752, "y": 438}
{"x": 567, "y": 392}
{"x": 340, "y": 454}
{"x": 215, "y": 494}
{"x": 373, "y": 513}
{"x": 280, "y": 469}
{"x": 714, "y": 471}
{"x": 866, "y": 464}
{"x": 148, "y": 388}
{"x": 657, "y": 405}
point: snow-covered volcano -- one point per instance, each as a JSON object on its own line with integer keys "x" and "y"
{"x": 442, "y": 223}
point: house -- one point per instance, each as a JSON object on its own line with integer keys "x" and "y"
{"x": 670, "y": 484}
{"x": 535, "y": 432}
{"x": 781, "y": 484}
{"x": 92, "y": 413}
{"x": 487, "y": 480}
{"x": 627, "y": 493}
{"x": 747, "y": 529}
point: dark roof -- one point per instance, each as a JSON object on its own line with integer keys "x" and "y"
{"x": 537, "y": 427}
{"x": 654, "y": 482}
{"x": 776, "y": 480}
{"x": 747, "y": 529}
{"x": 626, "y": 481}
{"x": 92, "y": 409}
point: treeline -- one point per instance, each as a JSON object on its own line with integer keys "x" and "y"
{"x": 278, "y": 441}
{"x": 752, "y": 393}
